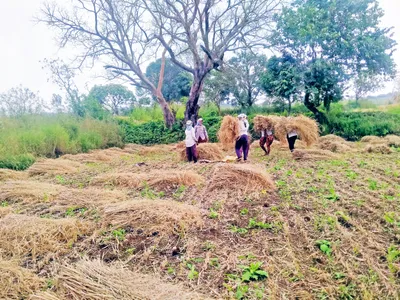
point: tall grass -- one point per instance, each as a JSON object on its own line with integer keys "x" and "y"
{"x": 26, "y": 138}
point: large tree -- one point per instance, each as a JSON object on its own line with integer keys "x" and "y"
{"x": 114, "y": 31}
{"x": 197, "y": 34}
{"x": 113, "y": 97}
{"x": 334, "y": 41}
{"x": 20, "y": 101}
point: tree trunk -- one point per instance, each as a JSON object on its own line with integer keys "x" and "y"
{"x": 320, "y": 116}
{"x": 289, "y": 106}
{"x": 169, "y": 117}
{"x": 249, "y": 98}
{"x": 192, "y": 106}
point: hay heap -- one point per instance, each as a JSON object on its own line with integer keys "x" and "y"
{"x": 162, "y": 216}
{"x": 306, "y": 128}
{"x": 313, "y": 154}
{"x": 205, "y": 151}
{"x": 17, "y": 282}
{"x": 6, "y": 174}
{"x": 162, "y": 180}
{"x": 94, "y": 280}
{"x": 378, "y": 148}
{"x": 240, "y": 177}
{"x": 22, "y": 235}
{"x": 371, "y": 139}
{"x": 265, "y": 122}
{"x": 55, "y": 167}
{"x": 333, "y": 143}
{"x": 228, "y": 132}
{"x": 393, "y": 140}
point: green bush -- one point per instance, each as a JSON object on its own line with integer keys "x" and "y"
{"x": 17, "y": 162}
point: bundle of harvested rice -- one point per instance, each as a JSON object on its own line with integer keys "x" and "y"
{"x": 334, "y": 146}
{"x": 6, "y": 174}
{"x": 262, "y": 123}
{"x": 392, "y": 141}
{"x": 317, "y": 154}
{"x": 228, "y": 132}
{"x": 240, "y": 177}
{"x": 22, "y": 235}
{"x": 378, "y": 148}
{"x": 306, "y": 128}
{"x": 206, "y": 151}
{"x": 17, "y": 282}
{"x": 156, "y": 179}
{"x": 93, "y": 280}
{"x": 371, "y": 139}
{"x": 162, "y": 216}
{"x": 55, "y": 167}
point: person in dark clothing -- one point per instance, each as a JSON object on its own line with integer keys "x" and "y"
{"x": 242, "y": 144}
{"x": 292, "y": 137}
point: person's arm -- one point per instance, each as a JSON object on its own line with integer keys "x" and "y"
{"x": 206, "y": 133}
{"x": 194, "y": 135}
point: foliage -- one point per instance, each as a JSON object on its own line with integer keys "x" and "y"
{"x": 325, "y": 247}
{"x": 20, "y": 101}
{"x": 253, "y": 272}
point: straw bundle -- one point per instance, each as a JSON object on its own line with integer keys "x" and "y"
{"x": 93, "y": 280}
{"x": 17, "y": 282}
{"x": 240, "y": 177}
{"x": 228, "y": 132}
{"x": 265, "y": 122}
{"x": 313, "y": 154}
{"x": 206, "y": 151}
{"x": 162, "y": 216}
{"x": 377, "y": 148}
{"x": 55, "y": 167}
{"x": 333, "y": 143}
{"x": 306, "y": 128}
{"x": 393, "y": 140}
{"x": 371, "y": 139}
{"x": 6, "y": 174}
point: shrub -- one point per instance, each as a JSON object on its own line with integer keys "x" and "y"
{"x": 17, "y": 162}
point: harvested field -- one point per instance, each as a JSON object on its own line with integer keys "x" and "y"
{"x": 324, "y": 225}
{"x": 6, "y": 174}
{"x": 55, "y": 167}
{"x": 205, "y": 151}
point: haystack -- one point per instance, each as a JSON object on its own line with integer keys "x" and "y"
{"x": 89, "y": 197}
{"x": 333, "y": 143}
{"x": 241, "y": 178}
{"x": 228, "y": 132}
{"x": 262, "y": 123}
{"x": 94, "y": 280}
{"x": 371, "y": 139}
{"x": 162, "y": 180}
{"x": 378, "y": 148}
{"x": 55, "y": 167}
{"x": 393, "y": 140}
{"x": 22, "y": 235}
{"x": 313, "y": 154}
{"x": 162, "y": 216}
{"x": 6, "y": 174}
{"x": 206, "y": 151}
{"x": 306, "y": 128}
{"x": 17, "y": 282}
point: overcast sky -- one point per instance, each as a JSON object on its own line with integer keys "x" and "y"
{"x": 24, "y": 44}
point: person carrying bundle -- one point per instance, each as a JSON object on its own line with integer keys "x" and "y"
{"x": 242, "y": 144}
{"x": 267, "y": 138}
{"x": 201, "y": 132}
{"x": 190, "y": 142}
{"x": 291, "y": 138}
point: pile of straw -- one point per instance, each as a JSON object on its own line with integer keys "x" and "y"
{"x": 228, "y": 132}
{"x": 163, "y": 180}
{"x": 206, "y": 151}
{"x": 94, "y": 280}
{"x": 240, "y": 177}
{"x": 6, "y": 174}
{"x": 306, "y": 128}
{"x": 333, "y": 143}
{"x": 265, "y": 122}
{"x": 55, "y": 167}
{"x": 46, "y": 296}
{"x": 393, "y": 140}
{"x": 162, "y": 216}
{"x": 17, "y": 282}
{"x": 22, "y": 235}
{"x": 371, "y": 139}
{"x": 313, "y": 154}
{"x": 378, "y": 148}
{"x": 89, "y": 197}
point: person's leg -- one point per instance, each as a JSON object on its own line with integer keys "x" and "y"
{"x": 270, "y": 140}
{"x": 292, "y": 141}
{"x": 189, "y": 153}
{"x": 238, "y": 148}
{"x": 194, "y": 153}
{"x": 246, "y": 147}
{"x": 263, "y": 140}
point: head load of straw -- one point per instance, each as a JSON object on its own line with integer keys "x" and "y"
{"x": 265, "y": 122}
{"x": 229, "y": 131}
{"x": 306, "y": 128}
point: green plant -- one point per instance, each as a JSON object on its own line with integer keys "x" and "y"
{"x": 235, "y": 229}
{"x": 180, "y": 190}
{"x": 254, "y": 224}
{"x": 241, "y": 291}
{"x": 391, "y": 218}
{"x": 244, "y": 212}
{"x": 130, "y": 251}
{"x": 213, "y": 214}
{"x": 60, "y": 179}
{"x": 193, "y": 274}
{"x": 351, "y": 175}
{"x": 4, "y": 204}
{"x": 208, "y": 246}
{"x": 253, "y": 272}
{"x": 119, "y": 234}
{"x": 325, "y": 247}
{"x": 347, "y": 292}
{"x": 373, "y": 184}
{"x": 393, "y": 256}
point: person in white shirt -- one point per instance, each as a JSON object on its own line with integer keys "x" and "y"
{"x": 292, "y": 137}
{"x": 190, "y": 142}
{"x": 267, "y": 138}
{"x": 242, "y": 144}
{"x": 201, "y": 132}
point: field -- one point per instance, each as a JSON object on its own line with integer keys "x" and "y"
{"x": 139, "y": 223}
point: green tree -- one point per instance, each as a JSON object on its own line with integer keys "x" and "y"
{"x": 115, "y": 98}
{"x": 216, "y": 89}
{"x": 334, "y": 42}
{"x": 282, "y": 79}
{"x": 176, "y": 81}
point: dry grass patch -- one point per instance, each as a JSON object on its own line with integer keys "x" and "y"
{"x": 393, "y": 140}
{"x": 378, "y": 148}
{"x": 313, "y": 154}
{"x": 206, "y": 151}
{"x": 240, "y": 177}
{"x": 16, "y": 282}
{"x": 96, "y": 156}
{"x": 371, "y": 139}
{"x": 6, "y": 174}
{"x": 333, "y": 143}
{"x": 163, "y": 180}
{"x": 162, "y": 216}
{"x": 22, "y": 235}
{"x": 228, "y": 132}
{"x": 45, "y": 296}
{"x": 93, "y": 280}
{"x": 4, "y": 211}
{"x": 55, "y": 167}
{"x": 89, "y": 196}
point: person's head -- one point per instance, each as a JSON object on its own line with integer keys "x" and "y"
{"x": 200, "y": 121}
{"x": 189, "y": 123}
{"x": 240, "y": 117}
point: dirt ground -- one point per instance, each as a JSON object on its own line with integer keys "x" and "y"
{"x": 146, "y": 225}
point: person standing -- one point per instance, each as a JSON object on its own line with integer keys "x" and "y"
{"x": 242, "y": 144}
{"x": 201, "y": 132}
{"x": 292, "y": 137}
{"x": 267, "y": 138}
{"x": 190, "y": 142}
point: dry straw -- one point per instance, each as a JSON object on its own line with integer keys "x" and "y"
{"x": 54, "y": 167}
{"x": 393, "y": 140}
{"x": 206, "y": 151}
{"x": 333, "y": 143}
{"x": 17, "y": 282}
{"x": 306, "y": 128}
{"x": 265, "y": 122}
{"x": 228, "y": 132}
{"x": 22, "y": 235}
{"x": 6, "y": 174}
{"x": 162, "y": 216}
{"x": 163, "y": 180}
{"x": 94, "y": 280}
{"x": 378, "y": 148}
{"x": 240, "y": 178}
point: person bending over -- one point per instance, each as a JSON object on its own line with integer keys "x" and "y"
{"x": 242, "y": 144}
{"x": 267, "y": 138}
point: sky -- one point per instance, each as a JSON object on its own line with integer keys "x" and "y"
{"x": 24, "y": 44}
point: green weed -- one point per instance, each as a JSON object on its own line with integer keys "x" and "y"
{"x": 253, "y": 272}
{"x": 325, "y": 247}
{"x": 193, "y": 274}
{"x": 213, "y": 214}
{"x": 119, "y": 234}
